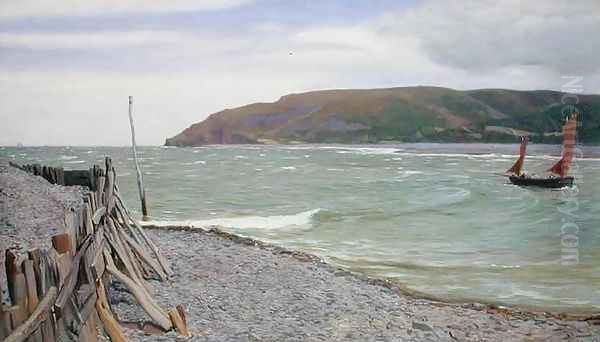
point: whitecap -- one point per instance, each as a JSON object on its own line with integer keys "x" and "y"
{"x": 506, "y": 266}
{"x": 461, "y": 155}
{"x": 75, "y": 162}
{"x": 195, "y": 162}
{"x": 362, "y": 150}
{"x": 68, "y": 157}
{"x": 302, "y": 219}
{"x": 288, "y": 168}
{"x": 411, "y": 172}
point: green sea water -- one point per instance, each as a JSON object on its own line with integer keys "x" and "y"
{"x": 438, "y": 218}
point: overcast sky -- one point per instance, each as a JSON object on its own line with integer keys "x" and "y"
{"x": 67, "y": 67}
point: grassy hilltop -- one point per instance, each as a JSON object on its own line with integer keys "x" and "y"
{"x": 407, "y": 114}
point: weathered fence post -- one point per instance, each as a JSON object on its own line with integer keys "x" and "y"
{"x": 140, "y": 180}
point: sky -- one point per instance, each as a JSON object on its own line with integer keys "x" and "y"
{"x": 67, "y": 68}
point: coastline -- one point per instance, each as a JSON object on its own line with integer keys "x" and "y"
{"x": 239, "y": 288}
{"x": 402, "y": 289}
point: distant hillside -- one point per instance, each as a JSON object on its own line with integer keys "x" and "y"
{"x": 408, "y": 114}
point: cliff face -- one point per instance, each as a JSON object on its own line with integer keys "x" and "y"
{"x": 395, "y": 114}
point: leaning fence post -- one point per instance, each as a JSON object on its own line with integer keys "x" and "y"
{"x": 140, "y": 180}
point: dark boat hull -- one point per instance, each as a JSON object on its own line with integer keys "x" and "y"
{"x": 553, "y": 183}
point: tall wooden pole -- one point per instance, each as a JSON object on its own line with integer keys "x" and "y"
{"x": 140, "y": 180}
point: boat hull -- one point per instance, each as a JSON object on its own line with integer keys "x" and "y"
{"x": 553, "y": 183}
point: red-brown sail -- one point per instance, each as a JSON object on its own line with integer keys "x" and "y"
{"x": 562, "y": 167}
{"x": 518, "y": 166}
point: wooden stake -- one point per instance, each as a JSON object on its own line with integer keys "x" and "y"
{"x": 111, "y": 326}
{"x": 39, "y": 315}
{"x": 140, "y": 180}
{"x": 62, "y": 243}
{"x": 152, "y": 309}
{"x": 161, "y": 259}
{"x": 145, "y": 257}
{"x": 5, "y": 299}
{"x": 19, "y": 294}
{"x": 178, "y": 322}
{"x": 32, "y": 295}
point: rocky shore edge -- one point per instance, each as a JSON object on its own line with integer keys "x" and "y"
{"x": 396, "y": 286}
{"x": 241, "y": 289}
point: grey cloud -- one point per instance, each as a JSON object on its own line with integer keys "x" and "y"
{"x": 560, "y": 36}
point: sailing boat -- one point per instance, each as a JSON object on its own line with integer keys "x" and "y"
{"x": 558, "y": 173}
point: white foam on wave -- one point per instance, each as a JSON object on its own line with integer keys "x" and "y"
{"x": 195, "y": 162}
{"x": 489, "y": 156}
{"x": 410, "y": 172}
{"x": 367, "y": 150}
{"x": 68, "y": 157}
{"x": 459, "y": 155}
{"x": 302, "y": 219}
{"x": 349, "y": 149}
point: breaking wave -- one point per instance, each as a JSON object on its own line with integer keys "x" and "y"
{"x": 299, "y": 220}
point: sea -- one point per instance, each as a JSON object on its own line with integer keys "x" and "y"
{"x": 439, "y": 218}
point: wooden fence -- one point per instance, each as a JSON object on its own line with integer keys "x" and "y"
{"x": 60, "y": 294}
{"x": 57, "y": 175}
